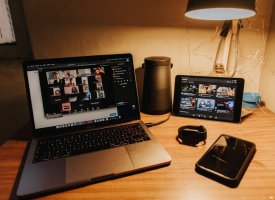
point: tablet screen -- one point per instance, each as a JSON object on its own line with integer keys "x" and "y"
{"x": 216, "y": 98}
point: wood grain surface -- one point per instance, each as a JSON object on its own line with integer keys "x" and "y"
{"x": 178, "y": 180}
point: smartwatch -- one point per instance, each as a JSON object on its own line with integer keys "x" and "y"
{"x": 192, "y": 135}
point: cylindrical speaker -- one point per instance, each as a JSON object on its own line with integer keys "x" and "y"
{"x": 157, "y": 85}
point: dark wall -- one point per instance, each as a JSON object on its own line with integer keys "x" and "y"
{"x": 13, "y": 102}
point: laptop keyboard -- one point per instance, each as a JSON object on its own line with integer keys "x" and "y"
{"x": 85, "y": 142}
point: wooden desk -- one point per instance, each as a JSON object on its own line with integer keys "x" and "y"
{"x": 179, "y": 180}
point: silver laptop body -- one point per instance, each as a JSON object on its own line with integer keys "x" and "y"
{"x": 69, "y": 96}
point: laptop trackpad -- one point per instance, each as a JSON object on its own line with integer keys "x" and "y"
{"x": 89, "y": 166}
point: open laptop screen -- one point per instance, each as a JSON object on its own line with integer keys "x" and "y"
{"x": 81, "y": 92}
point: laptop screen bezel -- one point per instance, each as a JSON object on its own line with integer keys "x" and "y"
{"x": 51, "y": 130}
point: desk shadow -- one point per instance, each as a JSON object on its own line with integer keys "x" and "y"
{"x": 139, "y": 79}
{"x": 14, "y": 115}
{"x": 13, "y": 195}
{"x": 24, "y": 133}
{"x": 246, "y": 116}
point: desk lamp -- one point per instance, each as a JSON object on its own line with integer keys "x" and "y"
{"x": 229, "y": 10}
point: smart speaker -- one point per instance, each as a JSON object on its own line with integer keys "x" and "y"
{"x": 157, "y": 85}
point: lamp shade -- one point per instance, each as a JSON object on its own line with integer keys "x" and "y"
{"x": 220, "y": 9}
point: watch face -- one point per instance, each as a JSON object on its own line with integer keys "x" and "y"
{"x": 190, "y": 137}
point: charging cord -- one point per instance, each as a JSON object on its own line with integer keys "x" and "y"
{"x": 150, "y": 124}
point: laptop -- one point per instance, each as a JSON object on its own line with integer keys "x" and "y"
{"x": 86, "y": 124}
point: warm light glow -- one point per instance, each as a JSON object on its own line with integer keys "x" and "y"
{"x": 220, "y": 14}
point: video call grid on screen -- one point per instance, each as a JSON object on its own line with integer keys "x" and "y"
{"x": 44, "y": 98}
{"x": 99, "y": 94}
{"x": 206, "y": 98}
{"x": 73, "y": 90}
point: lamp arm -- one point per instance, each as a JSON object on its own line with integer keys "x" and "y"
{"x": 236, "y": 34}
{"x": 229, "y": 32}
{"x": 226, "y": 49}
{"x": 219, "y": 67}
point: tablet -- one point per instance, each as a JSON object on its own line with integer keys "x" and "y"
{"x": 215, "y": 98}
